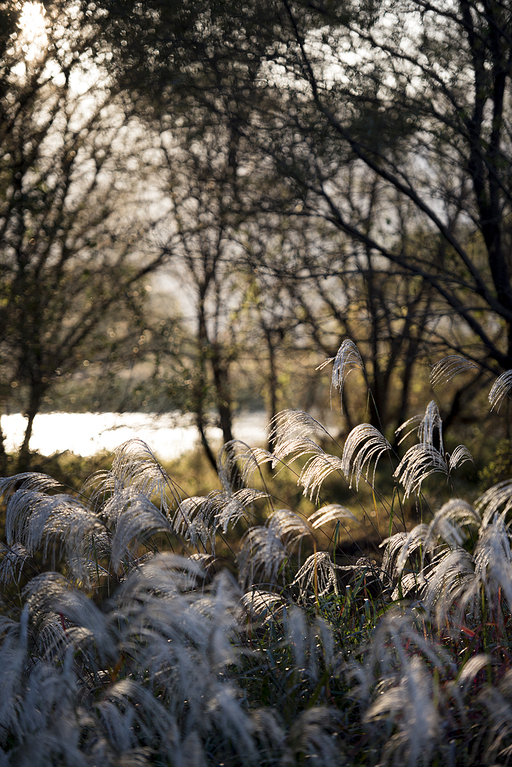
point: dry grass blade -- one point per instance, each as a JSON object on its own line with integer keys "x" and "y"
{"x": 500, "y": 390}
{"x": 364, "y": 444}
{"x": 444, "y": 370}
{"x": 346, "y": 360}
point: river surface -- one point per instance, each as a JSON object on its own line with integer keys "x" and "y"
{"x": 168, "y": 436}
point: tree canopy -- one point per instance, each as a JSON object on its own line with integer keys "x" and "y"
{"x": 415, "y": 92}
{"x": 361, "y": 174}
{"x": 75, "y": 226}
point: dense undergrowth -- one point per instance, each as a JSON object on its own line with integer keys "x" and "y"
{"x": 125, "y": 641}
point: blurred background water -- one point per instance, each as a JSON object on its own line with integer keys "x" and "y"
{"x": 169, "y": 435}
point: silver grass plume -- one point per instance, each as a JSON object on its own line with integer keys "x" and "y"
{"x": 316, "y": 735}
{"x": 318, "y": 573}
{"x": 396, "y": 681}
{"x": 248, "y": 459}
{"x": 451, "y": 586}
{"x": 55, "y": 525}
{"x": 398, "y": 636}
{"x": 290, "y": 430}
{"x": 410, "y": 705}
{"x": 264, "y": 549}
{"x": 500, "y": 389}
{"x": 193, "y": 521}
{"x": 450, "y": 523}
{"x": 347, "y": 359}
{"x": 431, "y": 425}
{"x": 419, "y": 462}
{"x": 400, "y": 547}
{"x": 493, "y": 558}
{"x": 134, "y": 518}
{"x": 231, "y": 507}
{"x": 315, "y": 471}
{"x": 363, "y": 445}
{"x": 290, "y": 425}
{"x": 498, "y": 701}
{"x": 459, "y": 456}
{"x": 135, "y": 466}
{"x": 262, "y": 604}
{"x": 497, "y": 497}
{"x": 12, "y": 562}
{"x": 311, "y": 642}
{"x": 428, "y": 456}
{"x": 445, "y": 369}
{"x": 332, "y": 512}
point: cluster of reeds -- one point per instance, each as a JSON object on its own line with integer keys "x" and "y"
{"x": 124, "y": 642}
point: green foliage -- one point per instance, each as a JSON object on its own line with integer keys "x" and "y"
{"x": 499, "y": 468}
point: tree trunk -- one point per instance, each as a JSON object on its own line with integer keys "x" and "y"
{"x": 3, "y": 454}
{"x": 36, "y": 395}
{"x": 204, "y": 440}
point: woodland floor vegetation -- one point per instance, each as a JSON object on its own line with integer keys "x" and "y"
{"x": 141, "y": 625}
